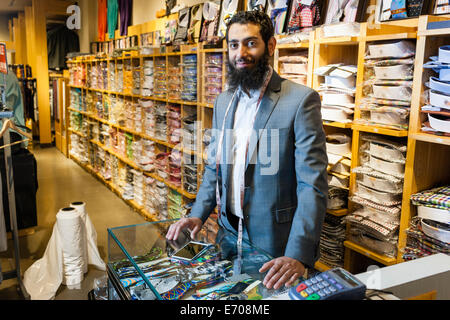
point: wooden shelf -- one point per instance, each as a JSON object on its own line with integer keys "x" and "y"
{"x": 379, "y": 130}
{"x": 395, "y": 36}
{"x": 431, "y": 138}
{"x": 147, "y": 215}
{"x": 345, "y": 41}
{"x": 368, "y": 253}
{"x": 338, "y": 124}
{"x": 444, "y": 32}
{"x": 296, "y": 45}
{"x": 322, "y": 267}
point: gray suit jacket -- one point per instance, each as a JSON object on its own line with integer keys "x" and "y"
{"x": 285, "y": 198}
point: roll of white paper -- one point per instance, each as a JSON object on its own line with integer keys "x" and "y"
{"x": 92, "y": 254}
{"x": 71, "y": 230}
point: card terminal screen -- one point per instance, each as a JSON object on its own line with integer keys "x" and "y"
{"x": 190, "y": 250}
{"x": 346, "y": 278}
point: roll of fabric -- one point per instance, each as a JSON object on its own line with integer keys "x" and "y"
{"x": 64, "y": 260}
{"x": 71, "y": 229}
{"x": 92, "y": 255}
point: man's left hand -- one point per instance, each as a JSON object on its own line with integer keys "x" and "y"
{"x": 283, "y": 270}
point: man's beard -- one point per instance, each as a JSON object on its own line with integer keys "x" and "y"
{"x": 248, "y": 78}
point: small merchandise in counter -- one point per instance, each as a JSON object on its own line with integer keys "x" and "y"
{"x": 142, "y": 266}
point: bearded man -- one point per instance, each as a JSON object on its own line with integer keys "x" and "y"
{"x": 279, "y": 211}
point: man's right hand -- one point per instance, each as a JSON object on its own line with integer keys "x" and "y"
{"x": 194, "y": 224}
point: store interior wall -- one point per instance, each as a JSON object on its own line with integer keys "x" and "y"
{"x": 4, "y": 28}
{"x": 88, "y": 31}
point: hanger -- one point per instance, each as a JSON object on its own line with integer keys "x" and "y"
{"x": 9, "y": 124}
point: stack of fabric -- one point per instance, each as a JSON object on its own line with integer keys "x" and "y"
{"x": 162, "y": 164}
{"x": 104, "y": 135}
{"x": 388, "y": 86}
{"x": 112, "y": 76}
{"x": 136, "y": 71}
{"x": 149, "y": 117}
{"x": 189, "y": 134}
{"x": 294, "y": 67}
{"x": 160, "y": 84}
{"x": 174, "y": 123}
{"x": 95, "y": 77}
{"x": 339, "y": 162}
{"x": 129, "y": 146}
{"x": 128, "y": 77}
{"x": 104, "y": 75}
{"x": 160, "y": 112}
{"x": 174, "y": 205}
{"x": 438, "y": 107}
{"x": 189, "y": 173}
{"x": 120, "y": 77}
{"x": 138, "y": 187}
{"x": 147, "y": 83}
{"x": 338, "y": 92}
{"x": 98, "y": 103}
{"x": 174, "y": 168}
{"x": 115, "y": 171}
{"x": 189, "y": 85}
{"x": 106, "y": 168}
{"x": 148, "y": 155}
{"x": 174, "y": 85}
{"x": 77, "y": 73}
{"x": 78, "y": 147}
{"x": 136, "y": 149}
{"x": 429, "y": 232}
{"x": 118, "y": 115}
{"x": 75, "y": 99}
{"x": 149, "y": 191}
{"x": 137, "y": 108}
{"x": 332, "y": 241}
{"x": 213, "y": 77}
{"x": 126, "y": 182}
{"x": 378, "y": 196}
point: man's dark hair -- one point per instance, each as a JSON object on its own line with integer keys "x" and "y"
{"x": 256, "y": 17}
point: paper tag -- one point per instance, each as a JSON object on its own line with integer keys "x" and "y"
{"x": 306, "y": 2}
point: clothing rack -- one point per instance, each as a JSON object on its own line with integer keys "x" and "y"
{"x": 5, "y": 133}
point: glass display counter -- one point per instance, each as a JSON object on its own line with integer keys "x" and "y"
{"x": 141, "y": 267}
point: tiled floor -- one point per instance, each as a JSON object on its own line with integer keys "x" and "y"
{"x": 62, "y": 181}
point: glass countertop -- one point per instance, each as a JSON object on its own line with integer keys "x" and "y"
{"x": 141, "y": 259}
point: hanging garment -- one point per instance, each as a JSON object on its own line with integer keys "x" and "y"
{"x": 303, "y": 16}
{"x": 211, "y": 20}
{"x": 195, "y": 23}
{"x": 442, "y": 7}
{"x": 256, "y": 5}
{"x": 102, "y": 19}
{"x": 113, "y": 11}
{"x": 60, "y": 42}
{"x": 229, "y": 8}
{"x": 125, "y": 9}
{"x": 183, "y": 24}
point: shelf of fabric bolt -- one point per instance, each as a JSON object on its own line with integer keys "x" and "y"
{"x": 139, "y": 134}
{"x": 147, "y": 215}
{"x": 131, "y": 163}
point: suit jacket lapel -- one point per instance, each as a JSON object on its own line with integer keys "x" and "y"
{"x": 268, "y": 104}
{"x": 229, "y": 123}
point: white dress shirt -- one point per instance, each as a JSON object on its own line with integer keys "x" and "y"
{"x": 243, "y": 127}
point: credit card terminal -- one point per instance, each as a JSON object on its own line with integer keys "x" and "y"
{"x": 334, "y": 284}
